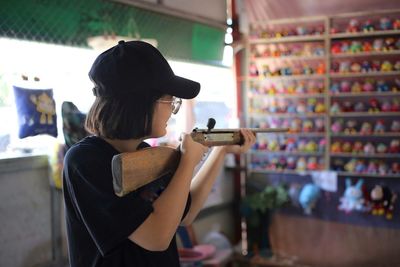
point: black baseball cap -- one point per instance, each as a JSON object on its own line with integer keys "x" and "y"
{"x": 137, "y": 67}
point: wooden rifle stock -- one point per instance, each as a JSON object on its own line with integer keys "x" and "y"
{"x": 132, "y": 170}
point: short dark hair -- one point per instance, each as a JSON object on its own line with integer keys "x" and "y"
{"x": 127, "y": 117}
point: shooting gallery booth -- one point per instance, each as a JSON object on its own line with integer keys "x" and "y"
{"x": 321, "y": 193}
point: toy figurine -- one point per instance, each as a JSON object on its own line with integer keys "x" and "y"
{"x": 347, "y": 106}
{"x": 345, "y": 87}
{"x": 365, "y": 66}
{"x": 356, "y": 87}
{"x": 395, "y": 168}
{"x": 386, "y": 66}
{"x": 319, "y": 125}
{"x": 335, "y": 107}
{"x": 377, "y": 45}
{"x": 357, "y": 147}
{"x": 320, "y": 108}
{"x": 396, "y": 24}
{"x": 334, "y": 88}
{"x": 311, "y": 147}
{"x": 321, "y": 145}
{"x": 308, "y": 197}
{"x": 368, "y": 26}
{"x": 352, "y": 198}
{"x": 366, "y": 128}
{"x": 379, "y": 126}
{"x": 386, "y": 106}
{"x": 367, "y": 46}
{"x": 360, "y": 166}
{"x": 355, "y": 67}
{"x": 394, "y": 146}
{"x": 336, "y": 147}
{"x": 344, "y": 66}
{"x": 307, "y": 126}
{"x": 382, "y": 201}
{"x": 369, "y": 148}
{"x": 350, "y": 166}
{"x": 311, "y": 102}
{"x": 336, "y": 48}
{"x": 382, "y": 86}
{"x": 359, "y": 107}
{"x": 389, "y": 44}
{"x": 381, "y": 148}
{"x": 372, "y": 167}
{"x": 301, "y": 164}
{"x": 353, "y": 26}
{"x": 312, "y": 164}
{"x": 337, "y": 126}
{"x": 368, "y": 85}
{"x": 355, "y": 47}
{"x": 374, "y": 105}
{"x": 395, "y": 127}
{"x": 290, "y": 163}
{"x": 301, "y": 107}
{"x": 383, "y": 168}
{"x": 385, "y": 24}
{"x": 351, "y": 127}
{"x": 346, "y": 147}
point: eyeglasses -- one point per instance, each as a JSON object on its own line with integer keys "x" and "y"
{"x": 175, "y": 103}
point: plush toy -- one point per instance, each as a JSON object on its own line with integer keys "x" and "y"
{"x": 311, "y": 146}
{"x": 357, "y": 147}
{"x": 395, "y": 106}
{"x": 337, "y": 126}
{"x": 335, "y": 107}
{"x": 385, "y": 24}
{"x": 334, "y": 88}
{"x": 346, "y": 147}
{"x": 312, "y": 164}
{"x": 379, "y": 127}
{"x": 366, "y": 128}
{"x": 360, "y": 107}
{"x": 382, "y": 201}
{"x": 372, "y": 167}
{"x": 336, "y": 147}
{"x": 394, "y": 146}
{"x": 367, "y": 46}
{"x": 320, "y": 108}
{"x": 369, "y": 148}
{"x": 356, "y": 87}
{"x": 291, "y": 163}
{"x": 396, "y": 24}
{"x": 308, "y": 197}
{"x": 365, "y": 66}
{"x": 360, "y": 166}
{"x": 352, "y": 198}
{"x": 301, "y": 164}
{"x": 319, "y": 125}
{"x": 383, "y": 168}
{"x": 381, "y": 86}
{"x": 381, "y": 148}
{"x": 377, "y": 45}
{"x": 351, "y": 126}
{"x": 307, "y": 126}
{"x": 353, "y": 26}
{"x": 374, "y": 105}
{"x": 368, "y": 86}
{"x": 368, "y": 26}
{"x": 336, "y": 48}
{"x": 395, "y": 168}
{"x": 386, "y": 66}
{"x": 395, "y": 127}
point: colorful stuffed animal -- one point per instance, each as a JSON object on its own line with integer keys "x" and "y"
{"x": 352, "y": 197}
{"x": 308, "y": 197}
{"x": 382, "y": 201}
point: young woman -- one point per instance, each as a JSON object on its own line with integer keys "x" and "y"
{"x": 136, "y": 93}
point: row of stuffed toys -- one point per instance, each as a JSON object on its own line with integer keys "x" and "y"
{"x": 377, "y": 200}
{"x": 352, "y": 26}
{"x": 372, "y": 105}
{"x": 375, "y": 45}
{"x": 366, "y": 148}
{"x": 366, "y": 166}
{"x": 352, "y": 126}
{"x": 290, "y": 144}
{"x": 289, "y": 106}
{"x": 368, "y": 25}
{"x": 287, "y": 163}
{"x": 347, "y": 66}
{"x": 285, "y": 70}
{"x": 367, "y": 85}
{"x": 287, "y": 50}
{"x": 299, "y": 87}
{"x": 295, "y": 125}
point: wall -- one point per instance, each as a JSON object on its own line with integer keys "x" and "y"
{"x": 25, "y": 232}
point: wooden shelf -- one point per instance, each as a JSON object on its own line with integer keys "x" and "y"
{"x": 266, "y": 171}
{"x": 366, "y": 136}
{"x": 366, "y": 74}
{"x": 291, "y": 153}
{"x": 288, "y": 77}
{"x": 363, "y": 34}
{"x": 289, "y": 39}
{"x": 366, "y": 54}
{"x": 258, "y": 59}
{"x": 285, "y": 115}
{"x": 287, "y": 96}
{"x": 360, "y": 155}
{"x": 366, "y": 114}
{"x": 364, "y": 94}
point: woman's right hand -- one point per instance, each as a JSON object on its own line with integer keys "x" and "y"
{"x": 191, "y": 151}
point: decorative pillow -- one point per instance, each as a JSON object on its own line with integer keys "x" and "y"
{"x": 36, "y": 112}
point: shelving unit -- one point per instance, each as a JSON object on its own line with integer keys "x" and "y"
{"x": 282, "y": 69}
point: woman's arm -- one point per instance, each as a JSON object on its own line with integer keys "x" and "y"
{"x": 156, "y": 232}
{"x": 205, "y": 178}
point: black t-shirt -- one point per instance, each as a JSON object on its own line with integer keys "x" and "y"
{"x": 98, "y": 221}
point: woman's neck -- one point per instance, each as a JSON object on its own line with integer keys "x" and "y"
{"x": 124, "y": 145}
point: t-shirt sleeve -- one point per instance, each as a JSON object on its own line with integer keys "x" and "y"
{"x": 108, "y": 218}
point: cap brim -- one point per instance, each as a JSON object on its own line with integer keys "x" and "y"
{"x": 183, "y": 88}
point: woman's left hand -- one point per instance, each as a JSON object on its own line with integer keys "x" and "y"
{"x": 249, "y": 139}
